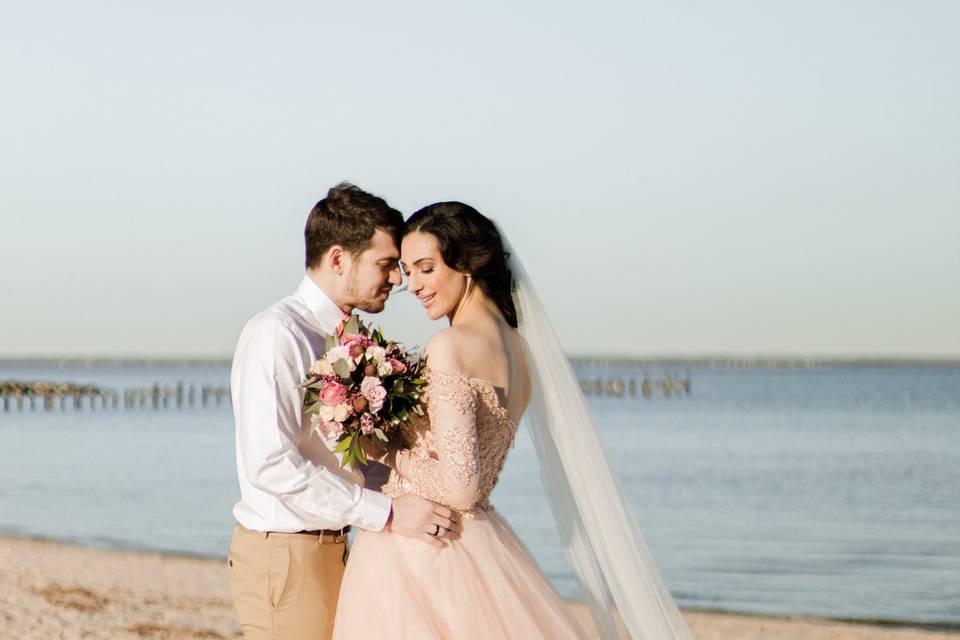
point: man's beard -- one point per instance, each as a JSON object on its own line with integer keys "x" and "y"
{"x": 369, "y": 305}
{"x": 372, "y": 306}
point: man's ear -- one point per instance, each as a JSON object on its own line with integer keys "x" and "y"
{"x": 335, "y": 259}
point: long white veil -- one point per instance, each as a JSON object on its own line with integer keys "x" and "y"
{"x": 597, "y": 527}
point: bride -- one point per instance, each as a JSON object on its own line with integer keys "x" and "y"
{"x": 498, "y": 361}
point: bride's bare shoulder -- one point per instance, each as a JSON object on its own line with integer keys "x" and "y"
{"x": 444, "y": 350}
{"x": 460, "y": 348}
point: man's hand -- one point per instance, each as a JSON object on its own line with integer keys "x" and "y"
{"x": 415, "y": 517}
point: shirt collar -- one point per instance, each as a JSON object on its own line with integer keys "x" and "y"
{"x": 319, "y": 304}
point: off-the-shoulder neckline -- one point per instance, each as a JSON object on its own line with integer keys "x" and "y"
{"x": 493, "y": 387}
{"x": 462, "y": 374}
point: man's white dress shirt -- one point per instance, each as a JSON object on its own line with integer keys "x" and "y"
{"x": 290, "y": 480}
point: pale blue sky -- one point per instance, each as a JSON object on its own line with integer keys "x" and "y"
{"x": 739, "y": 177}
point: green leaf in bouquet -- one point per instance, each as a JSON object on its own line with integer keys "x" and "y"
{"x": 360, "y": 454}
{"x": 344, "y": 444}
{"x": 380, "y": 434}
{"x": 330, "y": 342}
{"x": 417, "y": 409}
{"x": 398, "y": 387}
{"x": 341, "y": 368}
{"x": 319, "y": 385}
{"x": 352, "y": 326}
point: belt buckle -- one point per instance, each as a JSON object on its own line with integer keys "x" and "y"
{"x": 330, "y": 536}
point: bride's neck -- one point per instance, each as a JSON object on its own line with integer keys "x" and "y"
{"x": 475, "y": 305}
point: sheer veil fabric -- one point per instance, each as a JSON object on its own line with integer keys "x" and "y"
{"x": 597, "y": 527}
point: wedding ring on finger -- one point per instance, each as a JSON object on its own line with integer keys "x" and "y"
{"x": 436, "y": 530}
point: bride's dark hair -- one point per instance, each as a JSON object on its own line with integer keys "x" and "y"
{"x": 470, "y": 243}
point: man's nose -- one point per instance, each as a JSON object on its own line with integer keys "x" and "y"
{"x": 395, "y": 278}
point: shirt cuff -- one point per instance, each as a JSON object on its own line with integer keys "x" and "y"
{"x": 372, "y": 510}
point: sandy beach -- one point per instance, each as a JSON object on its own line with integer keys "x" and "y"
{"x": 53, "y": 590}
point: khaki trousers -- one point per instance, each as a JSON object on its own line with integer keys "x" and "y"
{"x": 285, "y": 585}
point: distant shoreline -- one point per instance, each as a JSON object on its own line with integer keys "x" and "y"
{"x": 708, "y": 361}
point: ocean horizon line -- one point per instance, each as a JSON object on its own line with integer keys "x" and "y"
{"x": 713, "y": 360}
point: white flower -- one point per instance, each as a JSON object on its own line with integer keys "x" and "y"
{"x": 341, "y": 411}
{"x": 377, "y": 354}
{"x": 337, "y": 353}
{"x": 340, "y": 353}
{"x": 384, "y": 368}
{"x": 321, "y": 367}
{"x": 326, "y": 413}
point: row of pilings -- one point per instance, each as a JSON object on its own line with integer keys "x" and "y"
{"x": 50, "y": 396}
{"x": 20, "y": 395}
{"x": 668, "y": 386}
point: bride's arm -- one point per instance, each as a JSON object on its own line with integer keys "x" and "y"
{"x": 452, "y": 477}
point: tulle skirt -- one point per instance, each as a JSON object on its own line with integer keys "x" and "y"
{"x": 484, "y": 585}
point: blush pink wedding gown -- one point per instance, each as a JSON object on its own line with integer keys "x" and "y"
{"x": 484, "y": 585}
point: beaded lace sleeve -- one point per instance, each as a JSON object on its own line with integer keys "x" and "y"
{"x": 448, "y": 471}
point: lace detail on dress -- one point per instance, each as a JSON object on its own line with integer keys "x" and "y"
{"x": 462, "y": 449}
{"x": 459, "y": 448}
{"x": 453, "y": 388}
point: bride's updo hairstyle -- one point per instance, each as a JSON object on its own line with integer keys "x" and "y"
{"x": 470, "y": 243}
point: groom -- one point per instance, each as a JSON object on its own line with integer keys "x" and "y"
{"x": 288, "y": 550}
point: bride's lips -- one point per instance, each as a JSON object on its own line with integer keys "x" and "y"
{"x": 426, "y": 301}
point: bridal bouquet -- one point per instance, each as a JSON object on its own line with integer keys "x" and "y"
{"x": 363, "y": 387}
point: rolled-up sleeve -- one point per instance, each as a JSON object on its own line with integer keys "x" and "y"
{"x": 269, "y": 366}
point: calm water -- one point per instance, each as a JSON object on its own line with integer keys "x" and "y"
{"x": 832, "y": 492}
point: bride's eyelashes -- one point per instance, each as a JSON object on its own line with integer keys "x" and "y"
{"x": 406, "y": 273}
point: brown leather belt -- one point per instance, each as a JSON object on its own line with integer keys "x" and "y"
{"x": 321, "y": 533}
{"x": 326, "y": 532}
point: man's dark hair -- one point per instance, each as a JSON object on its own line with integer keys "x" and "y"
{"x": 348, "y": 217}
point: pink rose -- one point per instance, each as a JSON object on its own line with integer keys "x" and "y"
{"x": 330, "y": 429}
{"x": 351, "y": 339}
{"x": 398, "y": 367}
{"x": 366, "y": 424}
{"x": 374, "y": 392}
{"x": 333, "y": 394}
